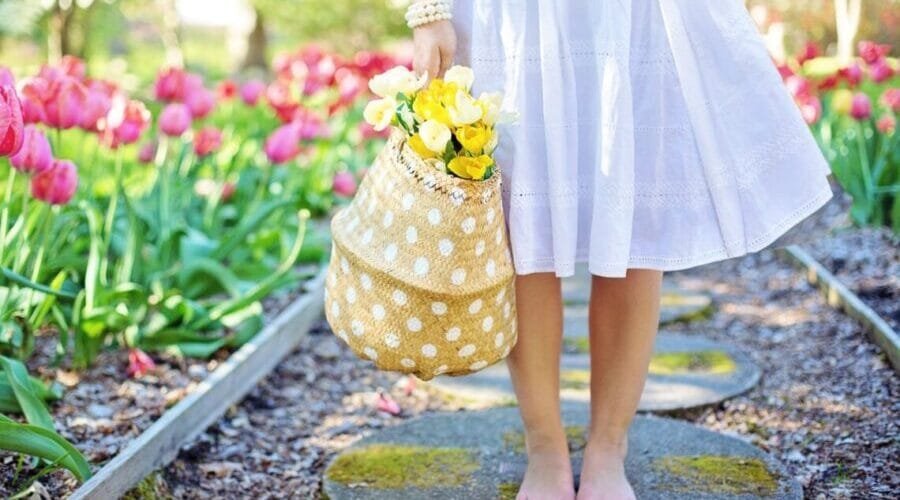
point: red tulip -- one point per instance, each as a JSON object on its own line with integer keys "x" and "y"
{"x": 169, "y": 86}
{"x": 35, "y": 155}
{"x": 284, "y": 144}
{"x": 139, "y": 363}
{"x": 6, "y": 77}
{"x": 73, "y": 66}
{"x": 57, "y": 184}
{"x": 880, "y": 71}
{"x": 872, "y": 52}
{"x": 310, "y": 125}
{"x": 174, "y": 119}
{"x": 207, "y": 140}
{"x": 251, "y": 92}
{"x": 891, "y": 99}
{"x": 798, "y": 86}
{"x": 853, "y": 74}
{"x": 810, "y": 51}
{"x": 200, "y": 102}
{"x": 887, "y": 124}
{"x": 147, "y": 152}
{"x": 281, "y": 99}
{"x": 861, "y": 107}
{"x": 811, "y": 109}
{"x": 11, "y": 123}
{"x": 65, "y": 104}
{"x": 828, "y": 83}
{"x": 344, "y": 184}
{"x": 227, "y": 89}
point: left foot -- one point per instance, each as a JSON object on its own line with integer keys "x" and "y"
{"x": 603, "y": 474}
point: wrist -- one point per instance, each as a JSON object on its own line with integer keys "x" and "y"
{"x": 424, "y": 12}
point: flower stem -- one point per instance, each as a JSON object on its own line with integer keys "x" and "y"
{"x": 4, "y": 213}
{"x": 109, "y": 223}
{"x": 864, "y": 166}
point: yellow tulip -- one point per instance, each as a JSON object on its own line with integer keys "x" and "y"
{"x": 417, "y": 145}
{"x": 474, "y": 138}
{"x": 468, "y": 167}
{"x": 427, "y": 107}
{"x": 842, "y": 101}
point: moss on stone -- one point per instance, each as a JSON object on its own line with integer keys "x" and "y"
{"x": 578, "y": 380}
{"x": 696, "y": 307}
{"x": 710, "y": 361}
{"x": 717, "y": 474}
{"x": 151, "y": 487}
{"x": 575, "y": 435}
{"x": 507, "y": 491}
{"x": 386, "y": 466}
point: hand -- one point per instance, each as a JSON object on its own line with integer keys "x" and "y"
{"x": 434, "y": 48}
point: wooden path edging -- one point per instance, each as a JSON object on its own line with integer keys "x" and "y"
{"x": 840, "y": 297}
{"x": 225, "y": 386}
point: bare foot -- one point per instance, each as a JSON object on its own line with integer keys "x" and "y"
{"x": 548, "y": 477}
{"x": 603, "y": 474}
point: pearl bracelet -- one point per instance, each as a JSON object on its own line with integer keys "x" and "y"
{"x": 428, "y": 11}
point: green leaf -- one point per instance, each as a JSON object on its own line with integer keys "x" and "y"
{"x": 42, "y": 443}
{"x": 32, "y": 405}
{"x": 236, "y": 237}
{"x": 20, "y": 280}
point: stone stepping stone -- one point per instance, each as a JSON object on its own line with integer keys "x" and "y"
{"x": 480, "y": 455}
{"x": 676, "y": 306}
{"x": 685, "y": 372}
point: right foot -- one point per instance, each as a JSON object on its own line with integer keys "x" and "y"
{"x": 548, "y": 477}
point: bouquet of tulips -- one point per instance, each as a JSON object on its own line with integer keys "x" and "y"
{"x": 449, "y": 128}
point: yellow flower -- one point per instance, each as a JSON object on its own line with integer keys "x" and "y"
{"x": 465, "y": 110}
{"x": 417, "y": 145}
{"x": 435, "y": 135}
{"x": 380, "y": 113}
{"x": 842, "y": 101}
{"x": 427, "y": 107}
{"x": 469, "y": 167}
{"x": 474, "y": 138}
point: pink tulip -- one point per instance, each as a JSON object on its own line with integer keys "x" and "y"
{"x": 34, "y": 93}
{"x": 97, "y": 104}
{"x": 284, "y": 144}
{"x": 881, "y": 71}
{"x": 73, "y": 66}
{"x": 134, "y": 120}
{"x": 35, "y": 155}
{"x": 206, "y": 188}
{"x": 310, "y": 125}
{"x": 828, "y": 83}
{"x": 810, "y": 51}
{"x": 169, "y": 86}
{"x": 861, "y": 107}
{"x": 65, "y": 104}
{"x": 798, "y": 86}
{"x": 226, "y": 90}
{"x": 344, "y": 184}
{"x": 853, "y": 74}
{"x": 891, "y": 99}
{"x": 207, "y": 140}
{"x": 251, "y": 92}
{"x": 147, "y": 153}
{"x": 387, "y": 404}
{"x": 11, "y": 123}
{"x": 139, "y": 363}
{"x": 811, "y": 109}
{"x": 175, "y": 119}
{"x": 887, "y": 124}
{"x": 200, "y": 102}
{"x": 368, "y": 132}
{"x": 282, "y": 100}
{"x": 872, "y": 52}
{"x": 6, "y": 77}
{"x": 57, "y": 184}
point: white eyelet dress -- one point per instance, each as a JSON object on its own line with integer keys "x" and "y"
{"x": 652, "y": 134}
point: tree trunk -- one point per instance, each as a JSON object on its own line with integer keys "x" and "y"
{"x": 170, "y": 33}
{"x": 59, "y": 38}
{"x": 847, "y": 16}
{"x": 257, "y": 43}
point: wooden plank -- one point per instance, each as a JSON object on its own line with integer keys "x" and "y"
{"x": 840, "y": 297}
{"x": 225, "y": 386}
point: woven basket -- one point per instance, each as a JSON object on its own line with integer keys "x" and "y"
{"x": 420, "y": 279}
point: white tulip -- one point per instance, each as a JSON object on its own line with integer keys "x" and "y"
{"x": 397, "y": 80}
{"x": 435, "y": 135}
{"x": 465, "y": 111}
{"x": 380, "y": 113}
{"x": 492, "y": 104}
{"x": 460, "y": 75}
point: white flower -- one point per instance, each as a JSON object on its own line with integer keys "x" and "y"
{"x": 491, "y": 103}
{"x": 398, "y": 80}
{"x": 465, "y": 111}
{"x": 435, "y": 135}
{"x": 491, "y": 144}
{"x": 460, "y": 75}
{"x": 436, "y": 164}
{"x": 380, "y": 113}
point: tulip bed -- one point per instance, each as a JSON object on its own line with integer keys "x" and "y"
{"x": 852, "y": 110}
{"x": 160, "y": 222}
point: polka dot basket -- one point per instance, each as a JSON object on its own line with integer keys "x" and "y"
{"x": 421, "y": 279}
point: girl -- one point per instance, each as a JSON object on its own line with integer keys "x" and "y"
{"x": 653, "y": 135}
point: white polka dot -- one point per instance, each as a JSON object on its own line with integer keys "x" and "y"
{"x": 371, "y": 353}
{"x": 453, "y": 334}
{"x": 441, "y": 370}
{"x": 491, "y": 215}
{"x": 357, "y": 327}
{"x": 506, "y": 310}
{"x": 458, "y": 276}
{"x": 478, "y": 365}
{"x": 429, "y": 350}
{"x": 445, "y": 247}
{"x": 343, "y": 336}
{"x": 498, "y": 340}
{"x": 506, "y": 350}
{"x": 392, "y": 340}
{"x": 335, "y": 309}
{"x": 378, "y": 312}
{"x": 388, "y": 219}
{"x": 500, "y": 296}
{"x": 407, "y": 201}
{"x": 487, "y": 323}
{"x": 475, "y": 306}
{"x": 414, "y": 324}
{"x": 457, "y": 196}
{"x": 421, "y": 266}
{"x": 479, "y": 248}
{"x": 434, "y": 216}
{"x": 491, "y": 268}
{"x": 366, "y": 281}
{"x": 466, "y": 350}
{"x": 468, "y": 225}
{"x": 390, "y": 252}
{"x": 399, "y": 297}
{"x": 351, "y": 295}
{"x": 439, "y": 308}
{"x": 372, "y": 205}
{"x": 430, "y": 181}
{"x": 412, "y": 236}
{"x": 345, "y": 266}
{"x": 367, "y": 236}
{"x": 498, "y": 238}
{"x": 407, "y": 363}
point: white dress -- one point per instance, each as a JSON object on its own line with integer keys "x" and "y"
{"x": 652, "y": 134}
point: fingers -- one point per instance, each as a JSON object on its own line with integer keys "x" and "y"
{"x": 427, "y": 60}
{"x": 447, "y": 54}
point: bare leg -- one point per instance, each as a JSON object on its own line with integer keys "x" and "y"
{"x": 624, "y": 317}
{"x": 534, "y": 367}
